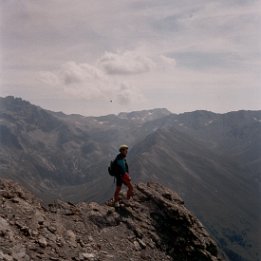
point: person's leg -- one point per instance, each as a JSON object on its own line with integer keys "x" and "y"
{"x": 127, "y": 182}
{"x": 117, "y": 193}
{"x": 117, "y": 189}
{"x": 130, "y": 191}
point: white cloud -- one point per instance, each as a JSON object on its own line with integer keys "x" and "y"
{"x": 133, "y": 62}
{"x": 85, "y": 81}
{"x": 126, "y": 95}
{"x": 105, "y": 80}
{"x": 126, "y": 63}
{"x": 49, "y": 78}
{"x": 166, "y": 62}
{"x": 74, "y": 73}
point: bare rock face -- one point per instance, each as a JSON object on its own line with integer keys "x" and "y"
{"x": 154, "y": 225}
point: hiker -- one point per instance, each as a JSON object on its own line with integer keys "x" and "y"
{"x": 122, "y": 173}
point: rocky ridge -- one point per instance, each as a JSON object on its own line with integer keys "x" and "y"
{"x": 154, "y": 225}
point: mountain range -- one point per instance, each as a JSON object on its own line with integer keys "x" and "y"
{"x": 212, "y": 160}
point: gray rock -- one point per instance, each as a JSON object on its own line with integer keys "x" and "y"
{"x": 42, "y": 242}
{"x": 142, "y": 243}
{"x": 87, "y": 256}
{"x": 5, "y": 257}
{"x": 19, "y": 252}
{"x": 137, "y": 245}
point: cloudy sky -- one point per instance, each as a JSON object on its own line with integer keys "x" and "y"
{"x": 96, "y": 57}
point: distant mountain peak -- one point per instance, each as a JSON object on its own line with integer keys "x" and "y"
{"x": 12, "y": 102}
{"x": 145, "y": 115}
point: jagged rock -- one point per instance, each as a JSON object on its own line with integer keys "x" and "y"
{"x": 87, "y": 256}
{"x": 154, "y": 225}
{"x": 19, "y": 252}
{"x": 142, "y": 244}
{"x": 71, "y": 237}
{"x": 42, "y": 242}
{"x": 52, "y": 229}
{"x": 5, "y": 257}
{"x": 137, "y": 245}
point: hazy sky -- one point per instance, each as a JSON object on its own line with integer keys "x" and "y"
{"x": 96, "y": 57}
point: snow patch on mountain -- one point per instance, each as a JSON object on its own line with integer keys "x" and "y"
{"x": 258, "y": 120}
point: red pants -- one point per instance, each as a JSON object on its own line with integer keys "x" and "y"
{"x": 126, "y": 180}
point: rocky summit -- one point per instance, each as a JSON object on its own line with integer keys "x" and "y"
{"x": 154, "y": 225}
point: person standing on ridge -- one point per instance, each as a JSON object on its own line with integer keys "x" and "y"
{"x": 122, "y": 174}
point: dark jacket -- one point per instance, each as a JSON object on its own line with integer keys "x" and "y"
{"x": 121, "y": 165}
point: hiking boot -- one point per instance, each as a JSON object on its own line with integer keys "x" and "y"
{"x": 110, "y": 203}
{"x": 116, "y": 204}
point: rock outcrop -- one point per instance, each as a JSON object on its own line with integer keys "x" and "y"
{"x": 154, "y": 225}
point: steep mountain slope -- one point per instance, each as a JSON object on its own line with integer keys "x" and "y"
{"x": 207, "y": 181}
{"x": 212, "y": 160}
{"x": 155, "y": 225}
